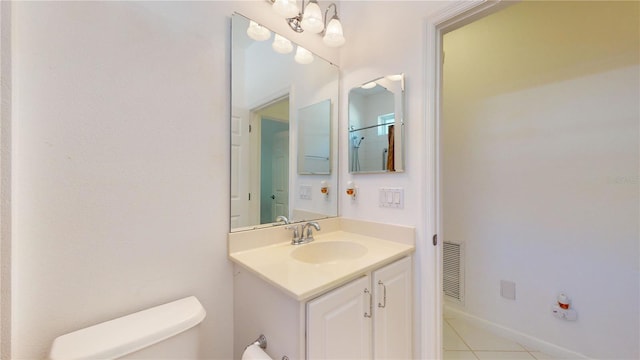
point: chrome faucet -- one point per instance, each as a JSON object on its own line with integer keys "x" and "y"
{"x": 295, "y": 240}
{"x": 283, "y": 219}
{"x": 303, "y": 234}
{"x": 307, "y": 231}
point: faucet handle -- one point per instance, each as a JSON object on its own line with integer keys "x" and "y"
{"x": 296, "y": 230}
{"x": 308, "y": 234}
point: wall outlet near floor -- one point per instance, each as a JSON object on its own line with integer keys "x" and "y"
{"x": 508, "y": 289}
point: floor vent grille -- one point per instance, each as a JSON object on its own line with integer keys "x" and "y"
{"x": 453, "y": 271}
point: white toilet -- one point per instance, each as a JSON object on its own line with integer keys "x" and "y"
{"x": 167, "y": 331}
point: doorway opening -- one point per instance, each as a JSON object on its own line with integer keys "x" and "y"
{"x": 270, "y": 160}
{"x": 537, "y": 126}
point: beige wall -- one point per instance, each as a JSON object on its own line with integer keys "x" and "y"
{"x": 541, "y": 164}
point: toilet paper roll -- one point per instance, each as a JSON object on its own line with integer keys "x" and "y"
{"x": 254, "y": 352}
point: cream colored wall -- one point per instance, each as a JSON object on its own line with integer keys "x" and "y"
{"x": 541, "y": 165}
{"x": 277, "y": 111}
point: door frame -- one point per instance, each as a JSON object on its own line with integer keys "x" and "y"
{"x": 255, "y": 121}
{"x": 5, "y": 179}
{"x": 449, "y": 18}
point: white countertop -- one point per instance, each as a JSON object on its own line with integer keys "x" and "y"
{"x": 303, "y": 281}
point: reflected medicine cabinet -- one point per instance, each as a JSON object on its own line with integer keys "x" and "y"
{"x": 376, "y": 126}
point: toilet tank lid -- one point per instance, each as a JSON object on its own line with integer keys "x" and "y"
{"x": 125, "y": 335}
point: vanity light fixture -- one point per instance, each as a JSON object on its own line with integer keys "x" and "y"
{"x": 286, "y": 8}
{"x": 282, "y": 45}
{"x": 333, "y": 35}
{"x": 303, "y": 56}
{"x": 258, "y": 32}
{"x": 310, "y": 19}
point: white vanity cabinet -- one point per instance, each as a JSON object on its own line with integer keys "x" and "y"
{"x": 310, "y": 300}
{"x": 368, "y": 318}
{"x": 338, "y": 323}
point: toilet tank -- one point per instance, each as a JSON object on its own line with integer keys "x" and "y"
{"x": 167, "y": 331}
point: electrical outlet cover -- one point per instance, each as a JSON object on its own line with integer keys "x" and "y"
{"x": 508, "y": 289}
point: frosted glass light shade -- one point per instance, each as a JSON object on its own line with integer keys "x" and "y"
{"x": 303, "y": 56}
{"x": 369, "y": 85}
{"x": 286, "y": 8}
{"x": 312, "y": 18}
{"x": 281, "y": 45}
{"x": 333, "y": 35}
{"x": 258, "y": 32}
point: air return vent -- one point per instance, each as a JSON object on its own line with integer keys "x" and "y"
{"x": 453, "y": 271}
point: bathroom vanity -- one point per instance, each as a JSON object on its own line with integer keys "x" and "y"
{"x": 347, "y": 294}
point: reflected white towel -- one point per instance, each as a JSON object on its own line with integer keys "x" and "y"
{"x": 254, "y": 352}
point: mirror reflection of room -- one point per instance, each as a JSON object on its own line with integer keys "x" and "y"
{"x": 283, "y": 103}
{"x": 376, "y": 125}
{"x": 273, "y": 131}
{"x": 314, "y": 139}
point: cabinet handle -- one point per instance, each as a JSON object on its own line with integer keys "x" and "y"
{"x": 366, "y": 291}
{"x": 384, "y": 297}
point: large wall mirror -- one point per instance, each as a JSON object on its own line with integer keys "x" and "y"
{"x": 376, "y": 126}
{"x": 283, "y": 130}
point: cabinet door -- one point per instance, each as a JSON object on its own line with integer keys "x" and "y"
{"x": 393, "y": 314}
{"x": 337, "y": 327}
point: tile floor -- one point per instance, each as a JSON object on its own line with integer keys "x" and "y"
{"x": 463, "y": 340}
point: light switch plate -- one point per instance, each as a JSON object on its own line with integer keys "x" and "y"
{"x": 305, "y": 192}
{"x": 392, "y": 198}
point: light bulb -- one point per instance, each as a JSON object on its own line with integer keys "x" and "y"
{"x": 286, "y": 8}
{"x": 281, "y": 45}
{"x": 258, "y": 32}
{"x": 312, "y": 18}
{"x": 303, "y": 56}
{"x": 369, "y": 85}
{"x": 333, "y": 35}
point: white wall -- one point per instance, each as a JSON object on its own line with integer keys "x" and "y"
{"x": 541, "y": 166}
{"x": 120, "y": 163}
{"x": 374, "y": 53}
{"x": 378, "y": 51}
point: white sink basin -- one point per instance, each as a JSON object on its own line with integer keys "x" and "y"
{"x": 328, "y": 252}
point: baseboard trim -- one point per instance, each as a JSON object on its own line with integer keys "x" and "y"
{"x": 522, "y": 338}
